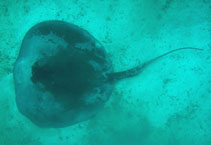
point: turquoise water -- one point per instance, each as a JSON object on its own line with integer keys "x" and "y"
{"x": 167, "y": 104}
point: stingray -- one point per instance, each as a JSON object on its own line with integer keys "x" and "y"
{"x": 63, "y": 75}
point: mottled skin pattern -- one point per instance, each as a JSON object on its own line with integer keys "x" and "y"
{"x": 60, "y": 75}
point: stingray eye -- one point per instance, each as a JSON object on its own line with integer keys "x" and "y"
{"x": 58, "y": 75}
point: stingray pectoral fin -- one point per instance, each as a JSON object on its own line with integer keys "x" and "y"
{"x": 115, "y": 76}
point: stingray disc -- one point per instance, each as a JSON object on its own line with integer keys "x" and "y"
{"x": 60, "y": 75}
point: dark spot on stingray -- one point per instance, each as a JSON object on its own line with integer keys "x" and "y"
{"x": 63, "y": 76}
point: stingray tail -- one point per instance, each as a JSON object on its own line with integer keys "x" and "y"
{"x": 116, "y": 76}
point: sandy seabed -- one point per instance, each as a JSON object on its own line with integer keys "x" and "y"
{"x": 168, "y": 104}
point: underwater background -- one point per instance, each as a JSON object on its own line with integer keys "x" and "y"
{"x": 169, "y": 103}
